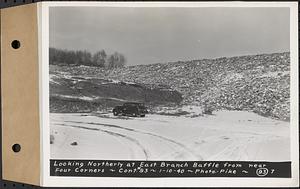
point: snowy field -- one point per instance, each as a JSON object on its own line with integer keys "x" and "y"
{"x": 227, "y": 135}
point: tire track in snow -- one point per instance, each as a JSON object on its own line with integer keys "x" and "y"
{"x": 182, "y": 146}
{"x": 146, "y": 154}
{"x": 237, "y": 149}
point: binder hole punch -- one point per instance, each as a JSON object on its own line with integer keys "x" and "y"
{"x": 15, "y": 44}
{"x": 16, "y": 148}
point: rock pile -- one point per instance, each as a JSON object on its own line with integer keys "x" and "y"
{"x": 257, "y": 83}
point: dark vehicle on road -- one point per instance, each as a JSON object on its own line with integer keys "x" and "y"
{"x": 131, "y": 109}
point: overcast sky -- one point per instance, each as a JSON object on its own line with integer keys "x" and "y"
{"x": 153, "y": 35}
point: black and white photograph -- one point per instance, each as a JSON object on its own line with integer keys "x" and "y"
{"x": 169, "y": 83}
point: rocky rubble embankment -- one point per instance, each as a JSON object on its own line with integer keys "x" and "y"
{"x": 258, "y": 83}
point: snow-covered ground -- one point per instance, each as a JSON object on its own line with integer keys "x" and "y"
{"x": 227, "y": 135}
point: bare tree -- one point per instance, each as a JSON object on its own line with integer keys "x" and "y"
{"x": 99, "y": 58}
{"x": 116, "y": 60}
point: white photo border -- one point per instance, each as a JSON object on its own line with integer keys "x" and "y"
{"x": 53, "y": 181}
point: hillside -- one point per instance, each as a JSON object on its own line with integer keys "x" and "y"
{"x": 258, "y": 83}
{"x": 87, "y": 94}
